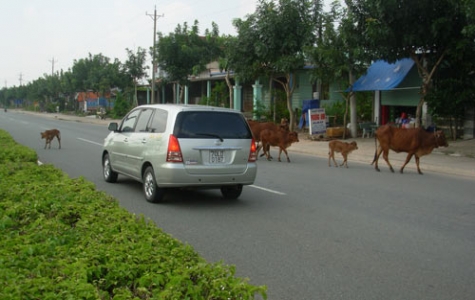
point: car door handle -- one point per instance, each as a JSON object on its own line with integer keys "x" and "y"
{"x": 144, "y": 141}
{"x": 126, "y": 140}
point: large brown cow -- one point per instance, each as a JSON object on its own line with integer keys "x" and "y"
{"x": 415, "y": 141}
{"x": 277, "y": 138}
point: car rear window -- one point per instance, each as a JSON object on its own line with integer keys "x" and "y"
{"x": 212, "y": 125}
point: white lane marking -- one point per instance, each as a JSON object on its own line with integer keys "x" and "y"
{"x": 268, "y": 190}
{"x": 90, "y": 142}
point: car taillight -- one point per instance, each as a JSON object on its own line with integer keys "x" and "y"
{"x": 253, "y": 152}
{"x": 174, "y": 151}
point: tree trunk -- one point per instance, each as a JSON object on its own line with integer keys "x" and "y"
{"x": 230, "y": 89}
{"x": 136, "y": 101}
{"x": 174, "y": 93}
{"x": 426, "y": 77}
{"x": 272, "y": 97}
{"x": 182, "y": 94}
{"x": 345, "y": 115}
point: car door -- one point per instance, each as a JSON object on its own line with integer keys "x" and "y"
{"x": 119, "y": 143}
{"x": 138, "y": 143}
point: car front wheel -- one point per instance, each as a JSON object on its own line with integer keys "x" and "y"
{"x": 109, "y": 174}
{"x": 152, "y": 192}
{"x": 231, "y": 192}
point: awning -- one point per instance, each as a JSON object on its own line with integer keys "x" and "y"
{"x": 383, "y": 76}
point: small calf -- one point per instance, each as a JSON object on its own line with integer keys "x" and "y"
{"x": 343, "y": 147}
{"x": 49, "y": 135}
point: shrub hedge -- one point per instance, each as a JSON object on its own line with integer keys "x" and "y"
{"x": 63, "y": 239}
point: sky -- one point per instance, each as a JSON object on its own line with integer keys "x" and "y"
{"x": 40, "y": 37}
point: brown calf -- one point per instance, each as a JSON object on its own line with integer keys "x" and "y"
{"x": 344, "y": 148}
{"x": 257, "y": 127}
{"x": 277, "y": 138}
{"x": 49, "y": 135}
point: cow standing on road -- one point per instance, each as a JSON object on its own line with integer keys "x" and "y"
{"x": 257, "y": 127}
{"x": 277, "y": 138}
{"x": 415, "y": 141}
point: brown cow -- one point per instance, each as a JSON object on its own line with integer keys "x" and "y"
{"x": 415, "y": 141}
{"x": 257, "y": 127}
{"x": 277, "y": 138}
{"x": 343, "y": 147}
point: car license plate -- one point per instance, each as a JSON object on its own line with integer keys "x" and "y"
{"x": 216, "y": 156}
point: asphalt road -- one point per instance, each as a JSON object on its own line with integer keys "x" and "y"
{"x": 305, "y": 230}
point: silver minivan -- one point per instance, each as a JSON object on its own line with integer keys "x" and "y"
{"x": 167, "y": 146}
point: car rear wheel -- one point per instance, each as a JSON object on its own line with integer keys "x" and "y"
{"x": 109, "y": 174}
{"x": 152, "y": 192}
{"x": 231, "y": 192}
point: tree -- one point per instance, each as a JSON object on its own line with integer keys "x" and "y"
{"x": 68, "y": 89}
{"x": 184, "y": 52}
{"x": 273, "y": 40}
{"x": 97, "y": 73}
{"x": 425, "y": 30}
{"x": 135, "y": 67}
{"x": 339, "y": 57}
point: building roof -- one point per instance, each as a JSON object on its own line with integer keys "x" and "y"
{"x": 383, "y": 76}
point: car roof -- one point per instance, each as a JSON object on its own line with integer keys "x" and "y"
{"x": 187, "y": 107}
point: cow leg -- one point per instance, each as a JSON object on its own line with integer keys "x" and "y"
{"x": 280, "y": 152}
{"x": 417, "y": 164}
{"x": 331, "y": 155}
{"x": 376, "y": 158}
{"x": 265, "y": 148}
{"x": 59, "y": 141}
{"x": 386, "y": 158}
{"x": 408, "y": 158}
{"x": 268, "y": 151}
{"x": 259, "y": 147}
{"x": 286, "y": 154}
{"x": 345, "y": 158}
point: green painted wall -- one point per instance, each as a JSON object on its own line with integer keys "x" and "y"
{"x": 404, "y": 97}
{"x": 303, "y": 91}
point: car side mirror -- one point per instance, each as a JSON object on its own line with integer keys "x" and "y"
{"x": 113, "y": 126}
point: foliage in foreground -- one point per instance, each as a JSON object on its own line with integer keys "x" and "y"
{"x": 62, "y": 239}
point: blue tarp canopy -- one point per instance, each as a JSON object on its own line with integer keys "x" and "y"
{"x": 383, "y": 76}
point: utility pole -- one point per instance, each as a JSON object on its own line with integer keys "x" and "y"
{"x": 154, "y": 62}
{"x": 21, "y": 78}
{"x": 52, "y": 66}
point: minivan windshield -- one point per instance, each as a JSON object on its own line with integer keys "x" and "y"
{"x": 211, "y": 125}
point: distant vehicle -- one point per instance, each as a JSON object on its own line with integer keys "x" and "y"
{"x": 167, "y": 146}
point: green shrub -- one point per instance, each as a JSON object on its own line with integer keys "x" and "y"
{"x": 121, "y": 107}
{"x": 63, "y": 239}
{"x": 11, "y": 151}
